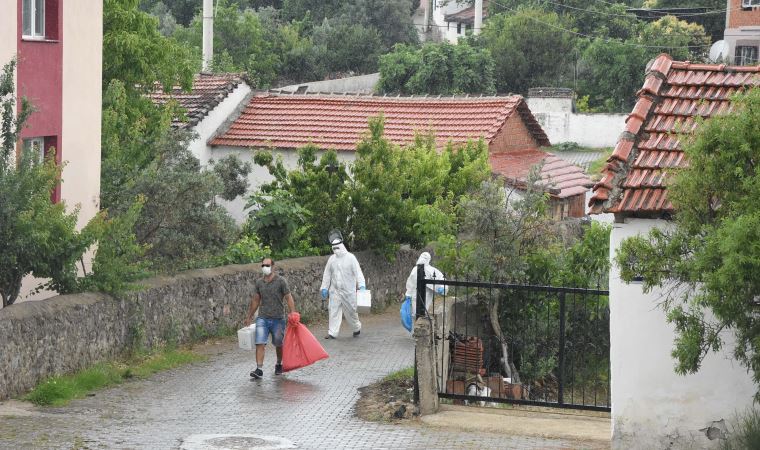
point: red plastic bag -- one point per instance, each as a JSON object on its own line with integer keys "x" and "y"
{"x": 300, "y": 348}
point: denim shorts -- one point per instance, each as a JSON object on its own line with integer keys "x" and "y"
{"x": 265, "y": 327}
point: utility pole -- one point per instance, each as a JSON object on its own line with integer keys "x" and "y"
{"x": 478, "y": 16}
{"x": 208, "y": 34}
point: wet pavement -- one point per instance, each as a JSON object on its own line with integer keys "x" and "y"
{"x": 215, "y": 405}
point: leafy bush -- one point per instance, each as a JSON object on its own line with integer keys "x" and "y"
{"x": 247, "y": 250}
{"x": 442, "y": 68}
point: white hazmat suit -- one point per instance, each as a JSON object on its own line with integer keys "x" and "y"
{"x": 341, "y": 278}
{"x": 431, "y": 289}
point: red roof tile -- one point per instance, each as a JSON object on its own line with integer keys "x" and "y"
{"x": 339, "y": 122}
{"x": 674, "y": 94}
{"x": 207, "y": 92}
{"x": 561, "y": 178}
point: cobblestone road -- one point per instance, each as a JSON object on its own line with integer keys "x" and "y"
{"x": 312, "y": 407}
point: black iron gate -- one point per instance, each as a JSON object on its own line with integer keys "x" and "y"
{"x": 531, "y": 345}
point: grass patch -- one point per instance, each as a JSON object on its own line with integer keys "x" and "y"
{"x": 400, "y": 375}
{"x": 59, "y": 390}
{"x": 745, "y": 434}
{"x": 573, "y": 147}
{"x": 595, "y": 168}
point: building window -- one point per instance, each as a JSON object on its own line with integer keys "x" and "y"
{"x": 459, "y": 27}
{"x": 750, "y": 3}
{"x": 745, "y": 55}
{"x": 36, "y": 146}
{"x": 33, "y": 18}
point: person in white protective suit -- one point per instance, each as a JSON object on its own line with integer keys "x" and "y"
{"x": 431, "y": 289}
{"x": 342, "y": 277}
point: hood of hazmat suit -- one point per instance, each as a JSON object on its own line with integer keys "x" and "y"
{"x": 431, "y": 273}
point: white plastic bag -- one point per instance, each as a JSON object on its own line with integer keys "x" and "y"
{"x": 363, "y": 301}
{"x": 247, "y": 337}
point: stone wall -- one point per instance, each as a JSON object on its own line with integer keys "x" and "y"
{"x": 69, "y": 332}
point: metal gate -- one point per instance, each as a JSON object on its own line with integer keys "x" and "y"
{"x": 530, "y": 345}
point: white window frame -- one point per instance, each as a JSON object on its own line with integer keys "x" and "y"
{"x": 742, "y": 60}
{"x": 36, "y": 8}
{"x": 37, "y": 145}
{"x": 750, "y": 3}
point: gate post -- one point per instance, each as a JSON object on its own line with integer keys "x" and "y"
{"x": 419, "y": 312}
{"x": 426, "y": 368}
{"x": 420, "y": 306}
{"x": 561, "y": 377}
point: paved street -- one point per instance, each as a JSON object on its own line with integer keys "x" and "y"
{"x": 312, "y": 408}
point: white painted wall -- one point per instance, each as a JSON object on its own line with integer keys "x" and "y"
{"x": 364, "y": 84}
{"x": 652, "y": 407}
{"x": 562, "y": 125}
{"x": 8, "y": 33}
{"x": 211, "y": 123}
{"x": 214, "y": 119}
{"x": 260, "y": 175}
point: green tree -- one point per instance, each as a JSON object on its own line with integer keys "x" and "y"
{"x": 437, "y": 69}
{"x": 714, "y": 23}
{"x": 316, "y": 9}
{"x": 135, "y": 57}
{"x": 529, "y": 53}
{"x": 37, "y": 236}
{"x": 135, "y": 52}
{"x": 317, "y": 188}
{"x": 708, "y": 261}
{"x": 611, "y": 71}
{"x": 180, "y": 223}
{"x": 393, "y": 196}
{"x": 410, "y": 194}
{"x": 241, "y": 39}
{"x": 599, "y": 19}
{"x": 343, "y": 46}
{"x": 391, "y": 18}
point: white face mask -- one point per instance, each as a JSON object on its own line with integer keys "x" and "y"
{"x": 339, "y": 250}
{"x": 266, "y": 270}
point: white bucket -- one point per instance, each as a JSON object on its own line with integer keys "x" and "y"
{"x": 363, "y": 301}
{"x": 247, "y": 337}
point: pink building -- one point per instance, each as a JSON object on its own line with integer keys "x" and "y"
{"x": 58, "y": 45}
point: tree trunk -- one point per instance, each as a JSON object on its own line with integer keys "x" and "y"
{"x": 507, "y": 365}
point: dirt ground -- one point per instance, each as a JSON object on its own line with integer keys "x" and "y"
{"x": 391, "y": 401}
{"x": 387, "y": 401}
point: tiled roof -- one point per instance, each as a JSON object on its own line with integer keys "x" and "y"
{"x": 339, "y": 122}
{"x": 467, "y": 15}
{"x": 674, "y": 95}
{"x": 207, "y": 92}
{"x": 561, "y": 178}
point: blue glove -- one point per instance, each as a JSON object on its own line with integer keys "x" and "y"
{"x": 324, "y": 293}
{"x": 440, "y": 290}
{"x": 408, "y": 297}
{"x": 362, "y": 288}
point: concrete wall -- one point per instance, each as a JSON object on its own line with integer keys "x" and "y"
{"x": 652, "y": 407}
{"x": 562, "y": 125}
{"x": 206, "y": 129}
{"x": 66, "y": 333}
{"x": 8, "y": 32}
{"x": 363, "y": 84}
{"x": 82, "y": 106}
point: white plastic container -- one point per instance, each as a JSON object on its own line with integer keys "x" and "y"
{"x": 363, "y": 301}
{"x": 247, "y": 337}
